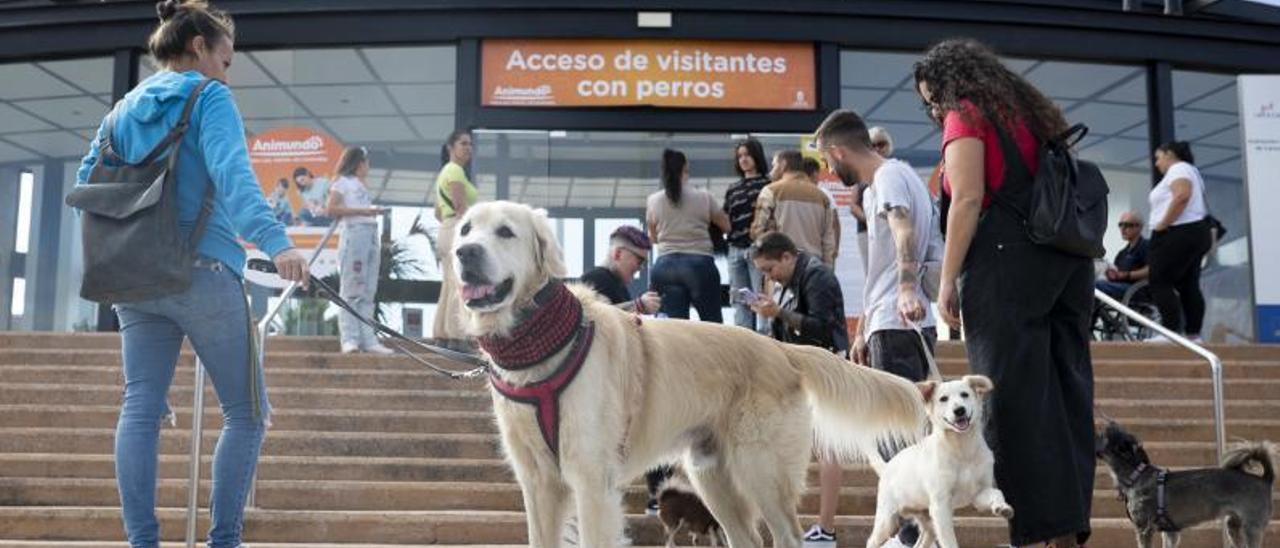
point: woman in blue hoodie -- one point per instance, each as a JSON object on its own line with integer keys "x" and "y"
{"x": 194, "y": 42}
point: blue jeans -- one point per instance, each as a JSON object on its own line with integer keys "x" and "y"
{"x": 743, "y": 273}
{"x": 213, "y": 315}
{"x": 685, "y": 279}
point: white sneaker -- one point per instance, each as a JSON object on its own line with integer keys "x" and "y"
{"x": 379, "y": 349}
{"x": 1158, "y": 339}
{"x": 348, "y": 348}
{"x": 817, "y": 536}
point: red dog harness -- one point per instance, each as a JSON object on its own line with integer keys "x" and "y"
{"x": 556, "y": 320}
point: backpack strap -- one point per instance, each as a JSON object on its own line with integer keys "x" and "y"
{"x": 174, "y": 138}
{"x": 1016, "y": 171}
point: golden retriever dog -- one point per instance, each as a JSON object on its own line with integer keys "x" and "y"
{"x": 737, "y": 410}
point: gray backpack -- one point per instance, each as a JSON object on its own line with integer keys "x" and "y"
{"x": 133, "y": 249}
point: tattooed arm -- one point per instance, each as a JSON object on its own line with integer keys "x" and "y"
{"x": 908, "y": 257}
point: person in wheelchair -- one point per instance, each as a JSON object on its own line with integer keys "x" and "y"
{"x": 1130, "y": 265}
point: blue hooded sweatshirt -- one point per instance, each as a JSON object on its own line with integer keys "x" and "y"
{"x": 212, "y": 152}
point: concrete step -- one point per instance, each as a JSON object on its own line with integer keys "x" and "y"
{"x": 180, "y": 395}
{"x": 466, "y": 527}
{"x": 476, "y": 400}
{"x": 370, "y": 469}
{"x": 278, "y": 442}
{"x": 481, "y": 422}
{"x": 1139, "y": 350}
{"x": 320, "y": 420}
{"x": 946, "y": 349}
{"x": 402, "y": 496}
{"x": 276, "y": 467}
{"x": 352, "y": 444}
{"x": 122, "y": 544}
{"x": 1118, "y": 378}
{"x": 111, "y": 341}
{"x": 319, "y": 356}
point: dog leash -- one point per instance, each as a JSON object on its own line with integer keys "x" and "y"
{"x": 934, "y": 373}
{"x": 397, "y": 340}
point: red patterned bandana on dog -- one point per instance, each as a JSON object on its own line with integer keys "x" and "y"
{"x": 555, "y": 319}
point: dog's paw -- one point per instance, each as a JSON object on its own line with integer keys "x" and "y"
{"x": 1003, "y": 510}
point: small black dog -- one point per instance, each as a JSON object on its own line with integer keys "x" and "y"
{"x": 1171, "y": 501}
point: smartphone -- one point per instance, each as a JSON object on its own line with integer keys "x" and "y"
{"x": 745, "y": 295}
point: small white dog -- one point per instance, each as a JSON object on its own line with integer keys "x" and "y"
{"x": 950, "y": 468}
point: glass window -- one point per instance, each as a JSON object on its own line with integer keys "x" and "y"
{"x": 1110, "y": 99}
{"x": 49, "y": 112}
{"x": 1206, "y": 114}
{"x": 398, "y": 102}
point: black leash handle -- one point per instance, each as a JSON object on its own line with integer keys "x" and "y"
{"x": 388, "y": 334}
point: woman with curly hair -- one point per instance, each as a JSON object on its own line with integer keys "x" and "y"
{"x": 1024, "y": 307}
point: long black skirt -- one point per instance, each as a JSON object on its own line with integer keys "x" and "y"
{"x": 1026, "y": 312}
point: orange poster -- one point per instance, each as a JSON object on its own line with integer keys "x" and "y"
{"x": 293, "y": 165}
{"x": 660, "y": 73}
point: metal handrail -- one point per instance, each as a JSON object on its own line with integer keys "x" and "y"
{"x": 1215, "y": 369}
{"x": 197, "y": 415}
{"x": 1215, "y": 364}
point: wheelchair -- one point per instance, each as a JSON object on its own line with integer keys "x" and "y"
{"x": 1110, "y": 325}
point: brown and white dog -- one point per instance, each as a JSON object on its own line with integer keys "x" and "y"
{"x": 680, "y": 510}
{"x": 579, "y": 420}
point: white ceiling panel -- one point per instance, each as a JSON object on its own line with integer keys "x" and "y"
{"x": 1134, "y": 91}
{"x": 1225, "y": 138}
{"x": 261, "y": 125}
{"x": 318, "y": 66}
{"x": 364, "y": 130}
{"x": 1189, "y": 86}
{"x": 25, "y": 81}
{"x": 345, "y": 100}
{"x": 414, "y": 65}
{"x": 1226, "y": 100}
{"x": 1114, "y": 152}
{"x": 1106, "y": 118}
{"x": 71, "y": 112}
{"x": 1206, "y": 155}
{"x": 874, "y": 69}
{"x": 1190, "y": 125}
{"x": 904, "y": 135}
{"x": 1020, "y": 66}
{"x": 1227, "y": 170}
{"x": 57, "y": 144}
{"x": 1076, "y": 80}
{"x": 901, "y": 106}
{"x": 10, "y": 153}
{"x": 13, "y": 120}
{"x": 424, "y": 98}
{"x": 436, "y": 128}
{"x": 92, "y": 75}
{"x": 266, "y": 103}
{"x": 859, "y": 100}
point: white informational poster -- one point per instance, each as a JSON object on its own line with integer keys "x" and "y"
{"x": 1260, "y": 133}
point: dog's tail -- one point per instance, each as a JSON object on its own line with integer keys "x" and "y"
{"x": 1260, "y": 452}
{"x": 856, "y": 407}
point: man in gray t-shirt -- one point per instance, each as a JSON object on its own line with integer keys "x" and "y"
{"x": 899, "y": 216}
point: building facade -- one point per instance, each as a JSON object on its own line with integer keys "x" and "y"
{"x": 398, "y": 75}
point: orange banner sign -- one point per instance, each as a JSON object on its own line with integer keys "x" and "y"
{"x": 659, "y": 73}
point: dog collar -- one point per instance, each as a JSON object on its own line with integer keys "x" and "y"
{"x": 555, "y": 317}
{"x": 545, "y": 395}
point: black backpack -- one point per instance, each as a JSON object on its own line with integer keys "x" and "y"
{"x": 1066, "y": 198}
{"x": 133, "y": 249}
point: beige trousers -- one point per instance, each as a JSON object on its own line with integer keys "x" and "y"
{"x": 448, "y": 322}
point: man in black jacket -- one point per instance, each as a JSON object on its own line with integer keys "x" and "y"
{"x": 810, "y": 307}
{"x": 809, "y": 311}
